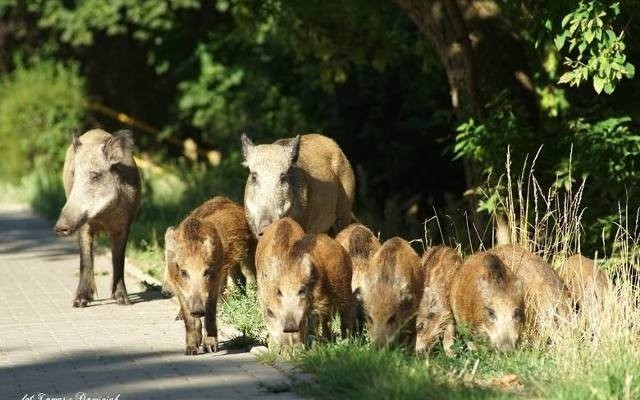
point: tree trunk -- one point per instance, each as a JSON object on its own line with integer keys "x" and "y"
{"x": 481, "y": 58}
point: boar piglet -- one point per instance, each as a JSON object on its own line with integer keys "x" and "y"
{"x": 588, "y": 285}
{"x": 486, "y": 296}
{"x": 307, "y": 178}
{"x": 392, "y": 292}
{"x": 200, "y": 252}
{"x": 360, "y": 243}
{"x": 102, "y": 186}
{"x": 547, "y": 298}
{"x": 434, "y": 314}
{"x": 304, "y": 289}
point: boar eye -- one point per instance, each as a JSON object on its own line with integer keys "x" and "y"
{"x": 95, "y": 176}
{"x": 391, "y": 320}
{"x": 279, "y": 293}
{"x": 208, "y": 273}
{"x": 518, "y": 314}
{"x": 491, "y": 314}
{"x": 284, "y": 177}
{"x": 253, "y": 177}
{"x": 302, "y": 291}
{"x": 270, "y": 313}
{"x": 184, "y": 274}
{"x": 431, "y": 315}
{"x": 420, "y": 326}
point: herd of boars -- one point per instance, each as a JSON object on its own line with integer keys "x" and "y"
{"x": 297, "y": 238}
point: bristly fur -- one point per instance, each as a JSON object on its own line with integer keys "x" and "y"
{"x": 496, "y": 268}
{"x": 359, "y": 243}
{"x": 303, "y": 246}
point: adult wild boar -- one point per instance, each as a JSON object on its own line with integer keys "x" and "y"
{"x": 307, "y": 178}
{"x": 435, "y": 318}
{"x": 102, "y": 185}
{"x": 213, "y": 240}
{"x": 489, "y": 298}
{"x": 392, "y": 293}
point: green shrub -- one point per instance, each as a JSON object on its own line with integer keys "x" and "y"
{"x": 39, "y": 105}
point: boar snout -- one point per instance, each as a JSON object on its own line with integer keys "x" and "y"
{"x": 62, "y": 229}
{"x": 290, "y": 326}
{"x": 68, "y": 223}
{"x": 196, "y": 308}
{"x": 505, "y": 344}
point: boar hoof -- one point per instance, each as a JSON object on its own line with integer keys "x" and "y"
{"x": 210, "y": 344}
{"x": 81, "y": 302}
{"x": 179, "y": 316}
{"x": 121, "y": 299}
{"x": 191, "y": 350}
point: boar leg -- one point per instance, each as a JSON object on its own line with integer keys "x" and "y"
{"x": 87, "y": 283}
{"x": 448, "y": 338}
{"x": 118, "y": 246}
{"x": 210, "y": 342}
{"x": 326, "y": 328}
{"x": 193, "y": 329}
{"x": 347, "y": 320}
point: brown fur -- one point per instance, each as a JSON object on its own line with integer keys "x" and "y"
{"x": 434, "y": 314}
{"x": 588, "y": 285}
{"x": 361, "y": 244}
{"x": 546, "y": 295}
{"x": 276, "y": 241}
{"x": 488, "y": 297}
{"x": 102, "y": 186}
{"x": 392, "y": 293}
{"x": 211, "y": 242}
{"x": 319, "y": 264}
{"x": 321, "y": 179}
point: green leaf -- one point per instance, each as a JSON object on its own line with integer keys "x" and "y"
{"x": 559, "y": 40}
{"x": 567, "y": 77}
{"x": 629, "y": 70}
{"x": 598, "y": 83}
{"x": 588, "y": 36}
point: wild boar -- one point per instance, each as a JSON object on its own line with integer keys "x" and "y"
{"x": 276, "y": 241}
{"x": 588, "y": 285}
{"x": 211, "y": 241}
{"x": 307, "y": 178}
{"x": 546, "y": 296}
{"x": 303, "y": 289}
{"x": 489, "y": 298}
{"x": 102, "y": 185}
{"x": 435, "y": 318}
{"x": 392, "y": 292}
{"x": 360, "y": 243}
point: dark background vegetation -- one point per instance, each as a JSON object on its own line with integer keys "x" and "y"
{"x": 423, "y": 96}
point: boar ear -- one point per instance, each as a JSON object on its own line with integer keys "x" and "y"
{"x": 518, "y": 285}
{"x": 170, "y": 245}
{"x": 247, "y": 147}
{"x": 75, "y": 138}
{"x": 118, "y": 147}
{"x": 357, "y": 294}
{"x": 207, "y": 248}
{"x": 294, "y": 149}
{"x": 306, "y": 268}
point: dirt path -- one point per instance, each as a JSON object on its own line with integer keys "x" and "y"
{"x": 104, "y": 350}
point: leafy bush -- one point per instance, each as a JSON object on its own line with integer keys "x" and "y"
{"x": 39, "y": 105}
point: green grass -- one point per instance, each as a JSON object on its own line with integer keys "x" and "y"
{"x": 238, "y": 308}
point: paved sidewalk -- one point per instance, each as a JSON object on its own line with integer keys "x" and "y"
{"x": 104, "y": 350}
